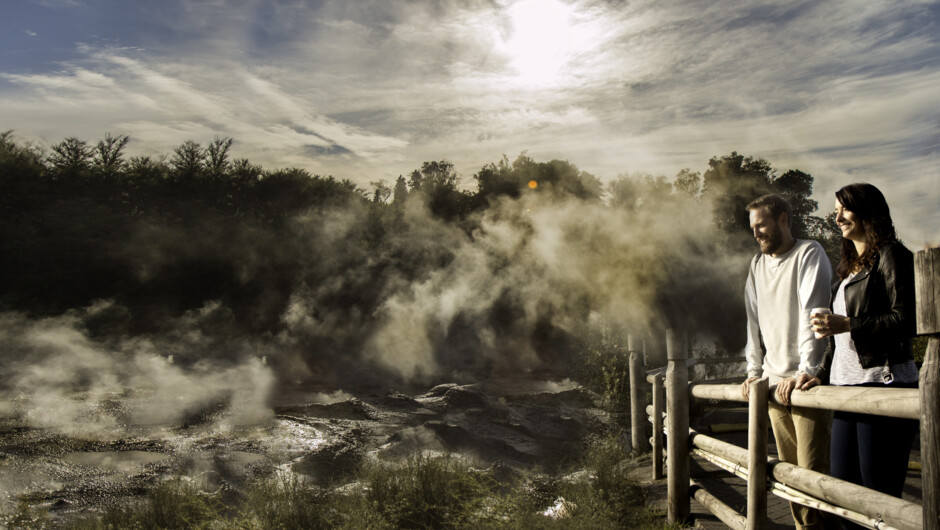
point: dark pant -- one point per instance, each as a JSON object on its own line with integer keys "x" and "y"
{"x": 872, "y": 451}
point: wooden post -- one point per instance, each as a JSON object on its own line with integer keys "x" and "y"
{"x": 927, "y": 293}
{"x": 659, "y": 401}
{"x": 677, "y": 431}
{"x": 757, "y": 455}
{"x": 637, "y": 398}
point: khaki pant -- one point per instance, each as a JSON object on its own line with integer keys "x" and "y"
{"x": 802, "y": 437}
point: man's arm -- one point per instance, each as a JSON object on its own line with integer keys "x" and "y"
{"x": 814, "y": 291}
{"x": 752, "y": 351}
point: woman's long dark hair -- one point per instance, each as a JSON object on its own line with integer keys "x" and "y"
{"x": 872, "y": 213}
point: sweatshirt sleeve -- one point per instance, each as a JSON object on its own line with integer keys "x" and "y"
{"x": 753, "y": 351}
{"x": 815, "y": 279}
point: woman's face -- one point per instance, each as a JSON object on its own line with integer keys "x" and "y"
{"x": 849, "y": 223}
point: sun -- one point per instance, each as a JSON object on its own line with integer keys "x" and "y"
{"x": 540, "y": 38}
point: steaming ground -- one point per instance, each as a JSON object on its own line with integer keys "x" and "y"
{"x": 314, "y": 436}
{"x": 469, "y": 354}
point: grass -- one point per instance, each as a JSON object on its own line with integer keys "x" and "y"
{"x": 418, "y": 492}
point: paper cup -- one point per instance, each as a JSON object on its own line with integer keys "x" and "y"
{"x": 818, "y": 311}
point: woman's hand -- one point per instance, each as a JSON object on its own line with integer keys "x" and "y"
{"x": 828, "y": 325}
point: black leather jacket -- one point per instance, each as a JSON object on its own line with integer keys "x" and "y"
{"x": 880, "y": 304}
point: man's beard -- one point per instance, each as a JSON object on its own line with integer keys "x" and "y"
{"x": 772, "y": 242}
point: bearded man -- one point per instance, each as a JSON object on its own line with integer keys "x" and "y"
{"x": 787, "y": 279}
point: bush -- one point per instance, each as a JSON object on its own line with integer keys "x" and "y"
{"x": 426, "y": 492}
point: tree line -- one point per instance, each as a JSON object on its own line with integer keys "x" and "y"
{"x": 162, "y": 236}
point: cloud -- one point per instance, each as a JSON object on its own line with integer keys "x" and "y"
{"x": 648, "y": 86}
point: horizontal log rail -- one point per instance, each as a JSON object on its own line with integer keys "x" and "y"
{"x": 855, "y": 502}
{"x": 722, "y": 511}
{"x": 790, "y": 494}
{"x": 893, "y": 402}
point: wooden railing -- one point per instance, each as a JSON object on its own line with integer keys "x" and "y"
{"x": 669, "y": 414}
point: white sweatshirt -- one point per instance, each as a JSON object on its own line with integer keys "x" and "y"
{"x": 779, "y": 294}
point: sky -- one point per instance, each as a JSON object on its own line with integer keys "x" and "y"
{"x": 846, "y": 90}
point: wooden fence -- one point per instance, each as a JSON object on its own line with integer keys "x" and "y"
{"x": 669, "y": 414}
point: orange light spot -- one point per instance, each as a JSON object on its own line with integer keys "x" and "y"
{"x": 533, "y": 184}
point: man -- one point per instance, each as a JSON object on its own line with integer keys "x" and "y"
{"x": 787, "y": 279}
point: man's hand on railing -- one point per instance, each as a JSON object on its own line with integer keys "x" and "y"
{"x": 786, "y": 386}
{"x": 746, "y": 387}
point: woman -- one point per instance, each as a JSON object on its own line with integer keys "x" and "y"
{"x": 870, "y": 330}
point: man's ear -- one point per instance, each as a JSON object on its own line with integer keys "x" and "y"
{"x": 784, "y": 219}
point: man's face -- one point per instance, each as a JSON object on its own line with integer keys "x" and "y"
{"x": 767, "y": 230}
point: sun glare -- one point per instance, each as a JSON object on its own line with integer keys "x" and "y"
{"x": 541, "y": 38}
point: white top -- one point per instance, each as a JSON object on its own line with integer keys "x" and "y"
{"x": 846, "y": 367}
{"x": 779, "y": 294}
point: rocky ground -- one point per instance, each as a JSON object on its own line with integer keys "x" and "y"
{"x": 319, "y": 436}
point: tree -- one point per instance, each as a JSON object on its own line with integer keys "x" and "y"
{"x": 71, "y": 157}
{"x": 21, "y": 172}
{"x": 108, "y": 156}
{"x": 688, "y": 183}
{"x": 401, "y": 191}
{"x": 732, "y": 182}
{"x": 216, "y": 157}
{"x": 797, "y": 188}
{"x": 188, "y": 160}
{"x": 436, "y": 182}
{"x": 382, "y": 191}
{"x": 557, "y": 177}
{"x": 498, "y": 179}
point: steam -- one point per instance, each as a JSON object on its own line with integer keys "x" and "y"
{"x": 504, "y": 293}
{"x": 58, "y": 378}
{"x": 565, "y": 264}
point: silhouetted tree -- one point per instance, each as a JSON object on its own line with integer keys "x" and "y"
{"x": 437, "y": 181}
{"x": 188, "y": 160}
{"x": 216, "y": 157}
{"x": 70, "y": 157}
{"x": 401, "y": 191}
{"x": 108, "y": 154}
{"x": 381, "y": 191}
{"x": 732, "y": 182}
{"x": 688, "y": 183}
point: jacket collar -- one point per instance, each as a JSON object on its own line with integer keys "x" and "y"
{"x": 866, "y": 271}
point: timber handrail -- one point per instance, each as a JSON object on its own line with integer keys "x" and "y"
{"x": 893, "y": 402}
{"x": 669, "y": 412}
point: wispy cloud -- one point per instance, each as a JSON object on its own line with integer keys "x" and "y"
{"x": 372, "y": 89}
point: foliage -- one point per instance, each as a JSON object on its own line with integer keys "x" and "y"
{"x": 734, "y": 180}
{"x": 604, "y": 367}
{"x": 425, "y": 491}
{"x": 557, "y": 177}
{"x": 25, "y": 517}
{"x": 419, "y": 492}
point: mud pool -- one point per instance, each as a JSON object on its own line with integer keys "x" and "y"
{"x": 313, "y": 435}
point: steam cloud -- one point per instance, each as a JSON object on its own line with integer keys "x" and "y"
{"x": 507, "y": 295}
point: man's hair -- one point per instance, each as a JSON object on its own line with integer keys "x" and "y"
{"x": 775, "y": 204}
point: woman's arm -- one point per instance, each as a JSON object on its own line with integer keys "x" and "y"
{"x": 896, "y": 269}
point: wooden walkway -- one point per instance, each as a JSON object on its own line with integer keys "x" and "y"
{"x": 731, "y": 489}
